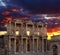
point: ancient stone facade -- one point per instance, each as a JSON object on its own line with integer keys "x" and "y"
{"x": 26, "y": 37}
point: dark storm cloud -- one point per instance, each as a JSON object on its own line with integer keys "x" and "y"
{"x": 41, "y": 6}
{"x": 37, "y": 6}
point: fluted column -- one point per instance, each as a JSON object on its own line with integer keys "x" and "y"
{"x": 37, "y": 44}
{"x": 26, "y": 44}
{"x": 22, "y": 44}
{"x": 15, "y": 45}
{"x": 9, "y": 44}
{"x": 15, "y": 37}
{"x": 42, "y": 45}
{"x": 33, "y": 44}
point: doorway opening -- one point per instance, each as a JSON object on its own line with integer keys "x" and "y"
{"x": 55, "y": 50}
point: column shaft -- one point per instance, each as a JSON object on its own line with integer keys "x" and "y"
{"x": 26, "y": 44}
{"x": 22, "y": 44}
{"x": 37, "y": 44}
{"x": 15, "y": 45}
{"x": 42, "y": 45}
{"x": 9, "y": 46}
{"x": 33, "y": 44}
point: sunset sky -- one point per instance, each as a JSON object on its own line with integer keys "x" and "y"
{"x": 11, "y": 9}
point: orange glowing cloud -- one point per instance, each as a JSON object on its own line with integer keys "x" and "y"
{"x": 53, "y": 31}
{"x": 8, "y": 18}
{"x": 15, "y": 10}
{"x": 6, "y": 13}
{"x": 4, "y": 21}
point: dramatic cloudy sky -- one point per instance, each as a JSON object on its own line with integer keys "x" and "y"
{"x": 36, "y": 6}
{"x": 10, "y": 9}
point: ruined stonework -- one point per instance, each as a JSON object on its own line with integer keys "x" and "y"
{"x": 26, "y": 37}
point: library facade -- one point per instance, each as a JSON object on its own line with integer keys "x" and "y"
{"x": 29, "y": 38}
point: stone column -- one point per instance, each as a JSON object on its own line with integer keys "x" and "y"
{"x": 9, "y": 44}
{"x": 37, "y": 44}
{"x": 42, "y": 44}
{"x": 15, "y": 38}
{"x": 46, "y": 45}
{"x": 26, "y": 44}
{"x": 10, "y": 28}
{"x": 15, "y": 45}
{"x": 33, "y": 44}
{"x": 21, "y": 45}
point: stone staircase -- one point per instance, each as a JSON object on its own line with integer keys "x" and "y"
{"x": 3, "y": 52}
{"x": 29, "y": 53}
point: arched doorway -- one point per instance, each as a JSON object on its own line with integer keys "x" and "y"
{"x": 55, "y": 50}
